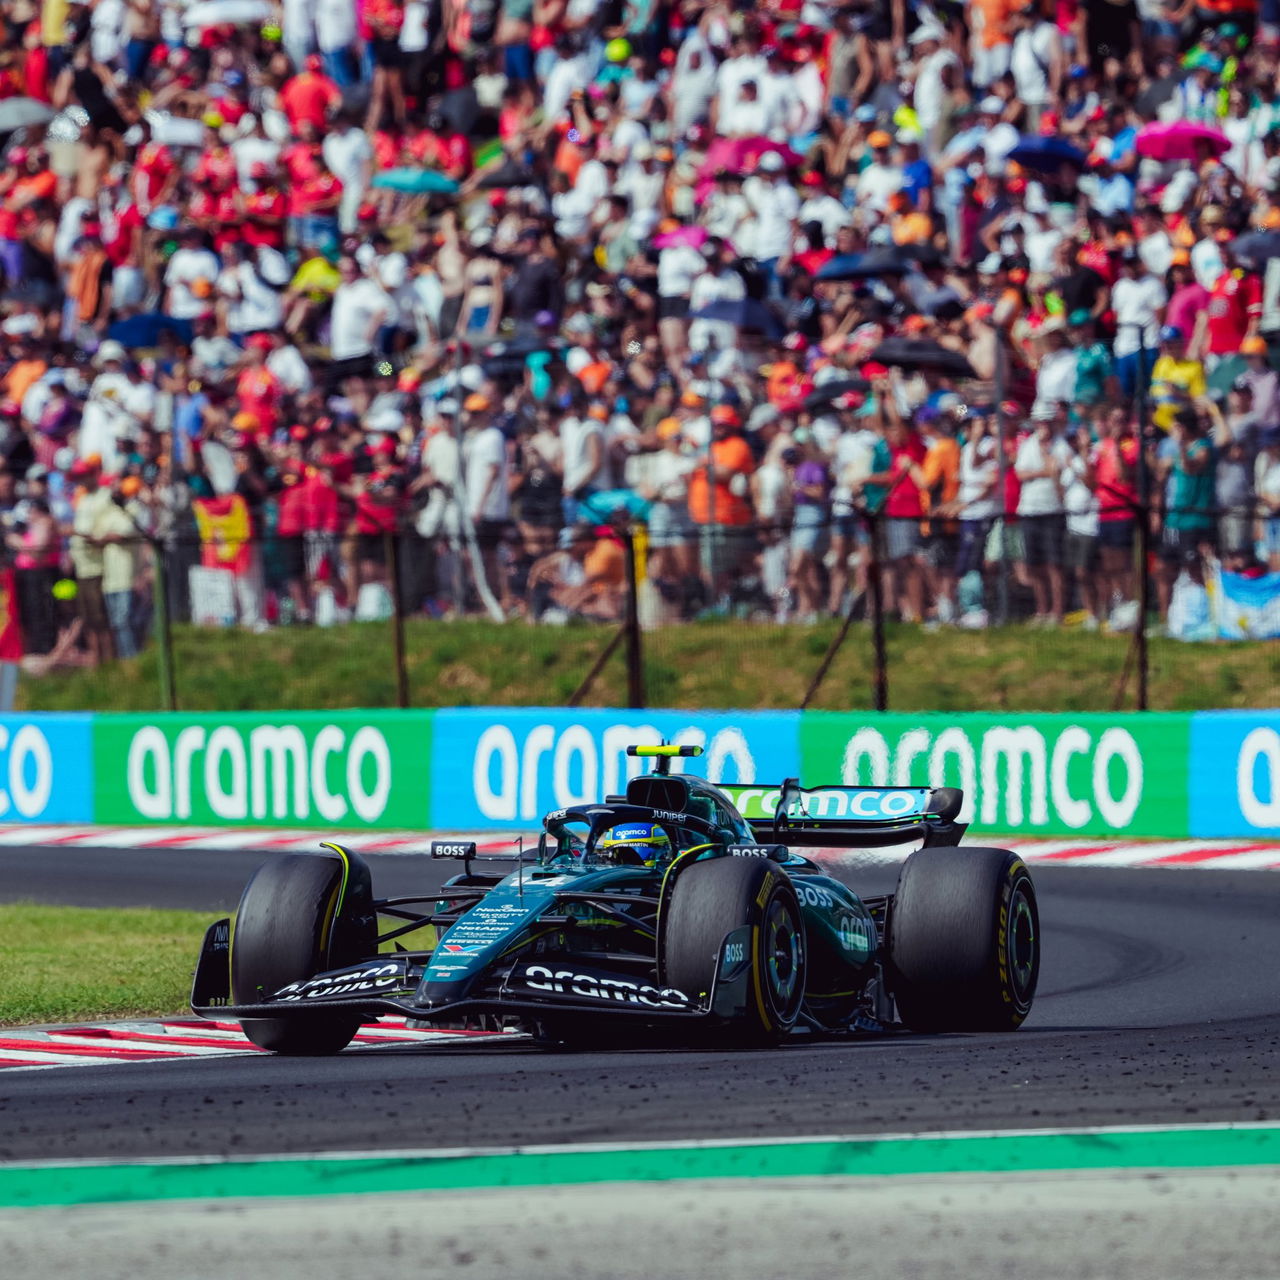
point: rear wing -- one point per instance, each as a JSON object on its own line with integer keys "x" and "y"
{"x": 849, "y": 817}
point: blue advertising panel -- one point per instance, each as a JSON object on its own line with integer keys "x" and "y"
{"x": 1234, "y": 774}
{"x": 46, "y": 768}
{"x": 504, "y": 768}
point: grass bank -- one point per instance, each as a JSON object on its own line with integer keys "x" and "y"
{"x": 701, "y": 665}
{"x": 68, "y": 964}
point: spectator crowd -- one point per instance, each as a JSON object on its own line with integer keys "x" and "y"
{"x": 309, "y": 305}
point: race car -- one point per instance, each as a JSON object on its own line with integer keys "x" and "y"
{"x": 664, "y": 910}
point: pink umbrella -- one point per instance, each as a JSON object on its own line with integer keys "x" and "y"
{"x": 694, "y": 237}
{"x": 1179, "y": 140}
{"x": 741, "y": 155}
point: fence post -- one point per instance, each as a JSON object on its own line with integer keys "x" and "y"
{"x": 875, "y": 590}
{"x": 164, "y": 635}
{"x": 635, "y": 652}
{"x": 397, "y": 619}
{"x": 1144, "y": 525}
{"x": 1002, "y": 464}
{"x": 1144, "y": 601}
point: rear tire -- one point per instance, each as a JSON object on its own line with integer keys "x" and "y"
{"x": 285, "y": 931}
{"x": 964, "y": 940}
{"x": 711, "y": 899}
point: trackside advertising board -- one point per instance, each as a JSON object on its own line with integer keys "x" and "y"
{"x": 1235, "y": 774}
{"x": 1208, "y": 774}
{"x": 1026, "y": 775}
{"x": 353, "y": 769}
{"x": 506, "y": 768}
{"x": 46, "y": 768}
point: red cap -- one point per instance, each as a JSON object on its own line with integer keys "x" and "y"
{"x": 727, "y": 415}
{"x": 259, "y": 341}
{"x": 299, "y": 432}
{"x": 812, "y": 179}
{"x": 873, "y": 370}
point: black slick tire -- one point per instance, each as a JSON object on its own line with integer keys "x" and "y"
{"x": 283, "y": 933}
{"x": 964, "y": 940}
{"x": 711, "y": 899}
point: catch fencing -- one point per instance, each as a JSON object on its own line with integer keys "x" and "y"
{"x": 820, "y": 610}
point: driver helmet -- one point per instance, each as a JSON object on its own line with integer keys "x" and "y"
{"x": 647, "y": 840}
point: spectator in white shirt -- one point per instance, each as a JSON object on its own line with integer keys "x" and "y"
{"x": 1056, "y": 372}
{"x": 348, "y": 153}
{"x": 1039, "y": 465}
{"x": 776, "y": 207}
{"x": 360, "y": 308}
{"x": 880, "y": 179}
{"x": 1138, "y": 299}
{"x": 190, "y": 275}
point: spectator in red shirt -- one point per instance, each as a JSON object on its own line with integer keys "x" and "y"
{"x": 902, "y": 510}
{"x": 1232, "y": 315}
{"x": 310, "y": 97}
{"x": 291, "y": 525}
{"x": 258, "y": 389}
{"x": 264, "y": 209}
{"x": 155, "y": 174}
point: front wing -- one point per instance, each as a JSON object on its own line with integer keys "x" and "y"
{"x": 380, "y": 986}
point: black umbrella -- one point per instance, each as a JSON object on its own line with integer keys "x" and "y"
{"x": 922, "y": 353}
{"x": 146, "y": 330}
{"x": 925, "y": 254}
{"x": 1257, "y": 247}
{"x": 749, "y": 314}
{"x": 829, "y": 392}
{"x": 1046, "y": 155}
{"x": 461, "y": 109}
{"x": 882, "y": 261}
{"x": 508, "y": 174}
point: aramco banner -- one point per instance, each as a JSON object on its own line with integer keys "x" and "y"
{"x": 343, "y": 768}
{"x": 1023, "y": 774}
{"x": 1207, "y": 774}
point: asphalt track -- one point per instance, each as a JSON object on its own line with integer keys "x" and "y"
{"x": 1158, "y": 1003}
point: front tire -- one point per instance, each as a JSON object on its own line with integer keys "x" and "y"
{"x": 964, "y": 940}
{"x": 287, "y": 930}
{"x": 711, "y": 899}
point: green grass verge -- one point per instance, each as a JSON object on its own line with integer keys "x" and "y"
{"x": 720, "y": 664}
{"x": 67, "y": 964}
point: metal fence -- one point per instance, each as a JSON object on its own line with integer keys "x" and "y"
{"x": 642, "y": 614}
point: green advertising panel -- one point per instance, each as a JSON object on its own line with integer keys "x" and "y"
{"x": 341, "y": 768}
{"x": 1072, "y": 775}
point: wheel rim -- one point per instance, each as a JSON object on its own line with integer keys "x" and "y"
{"x": 1022, "y": 946}
{"x": 783, "y": 958}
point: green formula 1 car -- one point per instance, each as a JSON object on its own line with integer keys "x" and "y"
{"x": 661, "y": 911}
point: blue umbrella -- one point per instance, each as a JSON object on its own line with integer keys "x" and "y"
{"x": 418, "y": 182}
{"x": 1046, "y": 155}
{"x": 145, "y": 330}
{"x": 746, "y": 313}
{"x": 881, "y": 261}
